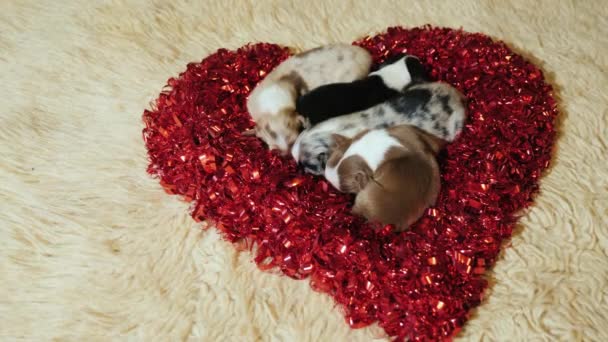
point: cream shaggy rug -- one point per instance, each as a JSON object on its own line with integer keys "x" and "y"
{"x": 91, "y": 248}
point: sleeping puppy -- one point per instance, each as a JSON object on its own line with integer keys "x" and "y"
{"x": 272, "y": 103}
{"x": 393, "y": 171}
{"x": 437, "y": 108}
{"x": 390, "y": 79}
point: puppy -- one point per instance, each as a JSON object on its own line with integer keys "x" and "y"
{"x": 437, "y": 108}
{"x": 390, "y": 79}
{"x": 272, "y": 103}
{"x": 393, "y": 171}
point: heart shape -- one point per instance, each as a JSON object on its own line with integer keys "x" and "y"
{"x": 418, "y": 284}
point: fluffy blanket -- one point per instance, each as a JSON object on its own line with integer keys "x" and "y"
{"x": 91, "y": 248}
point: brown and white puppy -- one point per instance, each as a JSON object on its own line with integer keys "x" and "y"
{"x": 272, "y": 103}
{"x": 393, "y": 171}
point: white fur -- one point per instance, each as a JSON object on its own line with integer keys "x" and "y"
{"x": 275, "y": 96}
{"x": 282, "y": 143}
{"x": 396, "y": 75}
{"x": 274, "y": 99}
{"x": 333, "y": 125}
{"x": 455, "y": 122}
{"x": 372, "y": 147}
{"x": 295, "y": 149}
{"x": 331, "y": 174}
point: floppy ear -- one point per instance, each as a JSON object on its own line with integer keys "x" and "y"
{"x": 416, "y": 70}
{"x": 304, "y": 122}
{"x": 339, "y": 140}
{"x": 354, "y": 174}
{"x": 354, "y": 183}
{"x": 361, "y": 179}
{"x": 295, "y": 122}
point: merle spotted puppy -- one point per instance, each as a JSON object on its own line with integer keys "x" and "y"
{"x": 389, "y": 80}
{"x": 437, "y": 108}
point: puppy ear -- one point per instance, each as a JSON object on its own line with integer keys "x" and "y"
{"x": 354, "y": 174}
{"x": 361, "y": 179}
{"x": 296, "y": 122}
{"x": 355, "y": 182}
{"x": 416, "y": 70}
{"x": 304, "y": 122}
{"x": 339, "y": 140}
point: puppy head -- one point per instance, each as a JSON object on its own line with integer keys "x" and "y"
{"x": 417, "y": 71}
{"x": 278, "y": 131}
{"x": 348, "y": 174}
{"x": 401, "y": 70}
{"x": 391, "y": 59}
{"x": 353, "y": 174}
{"x": 311, "y": 151}
{"x": 413, "y": 64}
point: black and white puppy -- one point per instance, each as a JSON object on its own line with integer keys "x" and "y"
{"x": 391, "y": 78}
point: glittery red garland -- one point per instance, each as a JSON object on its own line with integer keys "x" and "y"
{"x": 418, "y": 284}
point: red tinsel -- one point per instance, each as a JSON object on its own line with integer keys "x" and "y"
{"x": 419, "y": 284}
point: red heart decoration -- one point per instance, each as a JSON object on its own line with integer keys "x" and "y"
{"x": 419, "y": 284}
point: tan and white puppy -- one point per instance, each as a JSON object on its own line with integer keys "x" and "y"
{"x": 272, "y": 103}
{"x": 393, "y": 171}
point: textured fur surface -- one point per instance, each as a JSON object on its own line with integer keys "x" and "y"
{"x": 92, "y": 249}
{"x": 393, "y": 171}
{"x": 336, "y": 99}
{"x": 272, "y": 103}
{"x": 437, "y": 108}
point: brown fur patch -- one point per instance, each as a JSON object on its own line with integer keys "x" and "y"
{"x": 400, "y": 191}
{"x": 339, "y": 145}
{"x": 297, "y": 81}
{"x": 403, "y": 186}
{"x": 354, "y": 174}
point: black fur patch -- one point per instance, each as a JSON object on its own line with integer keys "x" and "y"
{"x": 337, "y": 99}
{"x": 458, "y": 126}
{"x": 381, "y": 111}
{"x": 416, "y": 69}
{"x": 445, "y": 104}
{"x": 411, "y": 101}
{"x": 313, "y": 168}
